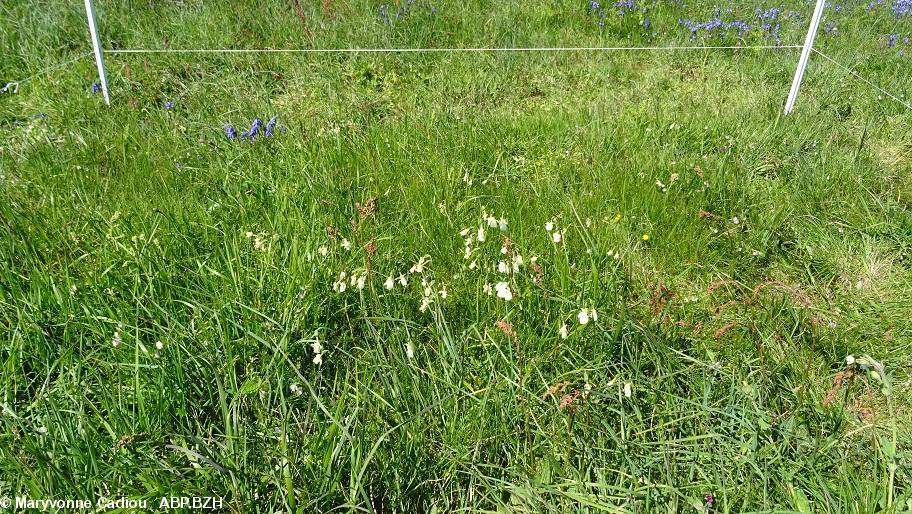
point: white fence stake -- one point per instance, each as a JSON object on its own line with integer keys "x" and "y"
{"x": 96, "y": 46}
{"x": 805, "y": 55}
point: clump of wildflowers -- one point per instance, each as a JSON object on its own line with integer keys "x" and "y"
{"x": 256, "y": 128}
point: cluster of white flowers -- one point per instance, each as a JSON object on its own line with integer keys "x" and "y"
{"x": 503, "y": 291}
{"x": 317, "y": 348}
{"x": 557, "y": 236}
{"x": 296, "y": 389}
{"x": 472, "y": 236}
{"x": 260, "y": 239}
{"x": 116, "y": 340}
{"x": 357, "y": 280}
{"x": 511, "y": 263}
{"x": 585, "y": 315}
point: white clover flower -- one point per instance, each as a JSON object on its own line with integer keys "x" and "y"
{"x": 735, "y": 220}
{"x": 850, "y": 359}
{"x": 563, "y": 331}
{"x": 556, "y": 237}
{"x": 390, "y": 283}
{"x": 503, "y": 291}
{"x": 346, "y": 244}
{"x": 115, "y": 341}
{"x": 409, "y": 350}
{"x": 159, "y": 345}
{"x": 296, "y": 389}
{"x": 323, "y": 251}
{"x": 549, "y": 226}
{"x": 628, "y": 390}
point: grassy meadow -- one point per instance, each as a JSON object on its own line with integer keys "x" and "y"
{"x": 574, "y": 281}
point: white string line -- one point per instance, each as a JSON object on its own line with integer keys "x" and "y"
{"x": 14, "y": 85}
{"x": 859, "y": 77}
{"x": 438, "y": 50}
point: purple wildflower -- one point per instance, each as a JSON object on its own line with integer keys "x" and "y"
{"x": 169, "y": 105}
{"x": 231, "y": 132}
{"x": 710, "y": 499}
{"x": 271, "y": 125}
{"x": 647, "y": 24}
{"x": 95, "y": 88}
{"x": 891, "y": 42}
{"x": 254, "y": 129}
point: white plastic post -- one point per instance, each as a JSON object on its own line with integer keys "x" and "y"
{"x": 805, "y": 55}
{"x": 96, "y": 46}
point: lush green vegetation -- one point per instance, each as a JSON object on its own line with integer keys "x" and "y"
{"x": 314, "y": 320}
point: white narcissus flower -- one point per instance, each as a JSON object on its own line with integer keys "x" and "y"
{"x": 556, "y": 237}
{"x": 318, "y": 351}
{"x": 481, "y": 234}
{"x": 159, "y": 345}
{"x": 563, "y": 331}
{"x": 503, "y": 224}
{"x": 583, "y": 316}
{"x": 418, "y": 267}
{"x": 628, "y": 390}
{"x": 361, "y": 280}
{"x": 487, "y": 288}
{"x": 389, "y": 282}
{"x": 346, "y": 244}
{"x": 503, "y": 291}
{"x": 502, "y": 267}
{"x": 549, "y": 226}
{"x": 403, "y": 280}
{"x": 409, "y": 350}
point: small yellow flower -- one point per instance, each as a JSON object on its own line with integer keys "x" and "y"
{"x": 645, "y": 237}
{"x": 617, "y": 217}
